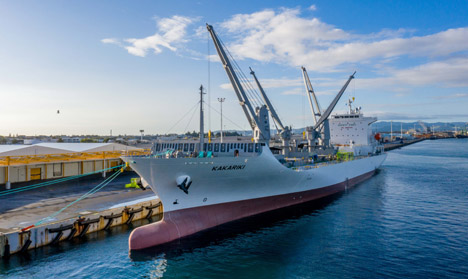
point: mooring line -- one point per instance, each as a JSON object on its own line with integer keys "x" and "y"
{"x": 47, "y": 183}
{"x": 89, "y": 193}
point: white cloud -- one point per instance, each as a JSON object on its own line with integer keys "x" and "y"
{"x": 312, "y": 7}
{"x": 453, "y": 96}
{"x": 449, "y": 73}
{"x": 445, "y": 73}
{"x": 110, "y": 41}
{"x": 294, "y": 91}
{"x": 285, "y": 37}
{"x": 171, "y": 32}
{"x": 270, "y": 83}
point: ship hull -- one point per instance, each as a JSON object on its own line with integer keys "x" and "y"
{"x": 185, "y": 222}
{"x": 220, "y": 194}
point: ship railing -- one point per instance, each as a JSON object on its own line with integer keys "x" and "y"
{"x": 173, "y": 153}
{"x": 328, "y": 163}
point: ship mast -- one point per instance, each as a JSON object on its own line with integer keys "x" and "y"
{"x": 258, "y": 117}
{"x": 202, "y": 130}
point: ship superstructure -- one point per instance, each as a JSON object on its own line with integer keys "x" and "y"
{"x": 351, "y": 132}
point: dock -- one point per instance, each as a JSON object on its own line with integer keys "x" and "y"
{"x": 395, "y": 145}
{"x": 106, "y": 209}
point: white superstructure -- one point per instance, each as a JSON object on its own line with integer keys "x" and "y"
{"x": 351, "y": 132}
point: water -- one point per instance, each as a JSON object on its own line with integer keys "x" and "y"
{"x": 409, "y": 221}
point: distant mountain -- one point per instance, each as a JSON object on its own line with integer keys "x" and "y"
{"x": 386, "y": 126}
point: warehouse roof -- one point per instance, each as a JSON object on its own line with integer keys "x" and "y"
{"x": 22, "y": 150}
{"x": 56, "y": 148}
{"x": 87, "y": 147}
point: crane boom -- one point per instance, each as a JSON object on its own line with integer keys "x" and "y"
{"x": 310, "y": 95}
{"x": 330, "y": 108}
{"x": 267, "y": 101}
{"x": 243, "y": 100}
{"x": 258, "y": 118}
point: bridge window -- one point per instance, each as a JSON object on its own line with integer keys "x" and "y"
{"x": 192, "y": 147}
{"x": 250, "y": 147}
{"x": 210, "y": 147}
{"x": 223, "y": 147}
{"x": 216, "y": 147}
{"x": 186, "y": 146}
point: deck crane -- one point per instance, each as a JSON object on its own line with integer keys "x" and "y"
{"x": 311, "y": 95}
{"x": 284, "y": 131}
{"x": 258, "y": 118}
{"x": 321, "y": 128}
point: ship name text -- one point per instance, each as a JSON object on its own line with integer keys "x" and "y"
{"x": 233, "y": 167}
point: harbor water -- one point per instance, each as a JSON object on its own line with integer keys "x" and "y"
{"x": 408, "y": 221}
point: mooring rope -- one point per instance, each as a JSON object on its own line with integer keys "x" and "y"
{"x": 47, "y": 183}
{"x": 89, "y": 193}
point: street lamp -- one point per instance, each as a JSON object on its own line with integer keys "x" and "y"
{"x": 221, "y": 100}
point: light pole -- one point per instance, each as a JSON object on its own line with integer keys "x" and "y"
{"x": 221, "y": 100}
{"x": 142, "y": 131}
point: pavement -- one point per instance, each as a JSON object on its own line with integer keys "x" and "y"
{"x": 22, "y": 209}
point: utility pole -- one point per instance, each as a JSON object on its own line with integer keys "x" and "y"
{"x": 401, "y": 130}
{"x": 391, "y": 130}
{"x": 142, "y": 131}
{"x": 221, "y": 100}
{"x": 202, "y": 132}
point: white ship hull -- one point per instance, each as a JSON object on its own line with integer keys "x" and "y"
{"x": 229, "y": 188}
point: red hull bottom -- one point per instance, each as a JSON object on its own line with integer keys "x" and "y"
{"x": 181, "y": 223}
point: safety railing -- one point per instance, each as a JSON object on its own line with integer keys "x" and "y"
{"x": 328, "y": 163}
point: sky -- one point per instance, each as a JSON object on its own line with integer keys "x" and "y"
{"x": 92, "y": 67}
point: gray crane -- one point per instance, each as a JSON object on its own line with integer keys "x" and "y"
{"x": 284, "y": 131}
{"x": 258, "y": 118}
{"x": 321, "y": 128}
{"x": 311, "y": 95}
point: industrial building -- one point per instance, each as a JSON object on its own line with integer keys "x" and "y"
{"x": 23, "y": 163}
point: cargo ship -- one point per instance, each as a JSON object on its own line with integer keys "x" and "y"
{"x": 207, "y": 183}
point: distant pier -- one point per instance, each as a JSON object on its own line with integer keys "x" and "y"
{"x": 393, "y": 145}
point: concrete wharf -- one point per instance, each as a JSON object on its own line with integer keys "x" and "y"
{"x": 395, "y": 145}
{"x": 113, "y": 206}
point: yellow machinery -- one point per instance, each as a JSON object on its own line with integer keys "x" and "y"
{"x": 133, "y": 183}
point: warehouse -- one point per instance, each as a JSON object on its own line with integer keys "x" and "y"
{"x": 23, "y": 163}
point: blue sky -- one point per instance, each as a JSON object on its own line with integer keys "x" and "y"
{"x": 126, "y": 65}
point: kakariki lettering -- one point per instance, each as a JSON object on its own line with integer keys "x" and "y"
{"x": 234, "y": 167}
